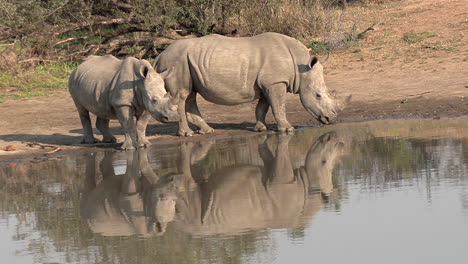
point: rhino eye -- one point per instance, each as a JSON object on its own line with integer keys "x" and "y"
{"x": 318, "y": 95}
{"x": 154, "y": 100}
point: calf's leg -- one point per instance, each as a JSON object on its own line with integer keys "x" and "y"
{"x": 88, "y": 137}
{"x": 102, "y": 125}
{"x": 141, "y": 124}
{"x": 125, "y": 115}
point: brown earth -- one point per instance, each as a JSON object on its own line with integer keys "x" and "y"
{"x": 426, "y": 77}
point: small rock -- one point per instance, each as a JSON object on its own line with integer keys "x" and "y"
{"x": 10, "y": 148}
{"x": 466, "y": 86}
{"x": 404, "y": 101}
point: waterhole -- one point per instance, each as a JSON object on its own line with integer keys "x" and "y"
{"x": 390, "y": 191}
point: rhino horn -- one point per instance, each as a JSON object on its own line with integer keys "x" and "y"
{"x": 324, "y": 60}
{"x": 342, "y": 103}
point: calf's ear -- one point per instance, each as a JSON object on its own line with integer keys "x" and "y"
{"x": 313, "y": 61}
{"x": 144, "y": 71}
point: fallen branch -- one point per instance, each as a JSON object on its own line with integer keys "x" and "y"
{"x": 91, "y": 50}
{"x": 39, "y": 145}
{"x": 426, "y": 92}
{"x": 110, "y": 35}
{"x": 363, "y": 33}
{"x": 123, "y": 6}
{"x": 52, "y": 151}
{"x": 70, "y": 39}
{"x": 114, "y": 21}
{"x": 35, "y": 59}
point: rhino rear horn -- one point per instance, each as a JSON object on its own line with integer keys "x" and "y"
{"x": 324, "y": 60}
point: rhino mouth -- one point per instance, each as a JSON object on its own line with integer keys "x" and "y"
{"x": 324, "y": 119}
{"x": 164, "y": 119}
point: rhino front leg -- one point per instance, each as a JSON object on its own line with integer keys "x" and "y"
{"x": 141, "y": 124}
{"x": 260, "y": 113}
{"x": 125, "y": 115}
{"x": 194, "y": 116}
{"x": 102, "y": 125}
{"x": 276, "y": 94}
{"x": 184, "y": 129}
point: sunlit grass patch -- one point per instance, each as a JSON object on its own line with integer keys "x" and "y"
{"x": 36, "y": 81}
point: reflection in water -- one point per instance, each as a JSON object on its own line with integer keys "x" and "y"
{"x": 227, "y": 200}
{"x": 239, "y": 197}
{"x": 361, "y": 189}
{"x": 125, "y": 205}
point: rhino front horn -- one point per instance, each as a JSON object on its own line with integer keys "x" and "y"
{"x": 344, "y": 102}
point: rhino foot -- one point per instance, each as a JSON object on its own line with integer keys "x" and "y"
{"x": 186, "y": 133}
{"x": 260, "y": 127}
{"x": 111, "y": 139}
{"x": 127, "y": 146}
{"x": 89, "y": 140}
{"x": 143, "y": 143}
{"x": 206, "y": 130}
{"x": 289, "y": 130}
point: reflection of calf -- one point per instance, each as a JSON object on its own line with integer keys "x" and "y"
{"x": 242, "y": 197}
{"x": 124, "y": 205}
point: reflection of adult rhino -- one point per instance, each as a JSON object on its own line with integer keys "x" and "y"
{"x": 242, "y": 197}
{"x": 119, "y": 89}
{"x": 232, "y": 71}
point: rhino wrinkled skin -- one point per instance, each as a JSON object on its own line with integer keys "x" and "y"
{"x": 260, "y": 190}
{"x": 232, "y": 71}
{"x": 120, "y": 89}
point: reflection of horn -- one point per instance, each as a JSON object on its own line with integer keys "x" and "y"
{"x": 206, "y": 207}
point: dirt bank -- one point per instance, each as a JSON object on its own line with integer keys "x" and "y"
{"x": 413, "y": 65}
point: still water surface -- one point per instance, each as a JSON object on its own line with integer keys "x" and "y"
{"x": 376, "y": 192}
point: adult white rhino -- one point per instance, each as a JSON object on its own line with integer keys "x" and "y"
{"x": 232, "y": 71}
{"x": 120, "y": 89}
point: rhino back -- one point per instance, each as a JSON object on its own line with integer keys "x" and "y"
{"x": 91, "y": 83}
{"x": 232, "y": 70}
{"x": 235, "y": 199}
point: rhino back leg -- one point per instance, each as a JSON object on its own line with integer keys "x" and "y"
{"x": 102, "y": 125}
{"x": 194, "y": 116}
{"x": 88, "y": 137}
{"x": 260, "y": 114}
{"x": 276, "y": 94}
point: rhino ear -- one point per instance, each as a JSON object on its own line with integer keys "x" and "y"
{"x": 144, "y": 71}
{"x": 313, "y": 61}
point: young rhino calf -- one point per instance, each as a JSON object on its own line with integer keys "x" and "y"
{"x": 120, "y": 89}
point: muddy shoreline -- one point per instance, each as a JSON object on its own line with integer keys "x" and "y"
{"x": 418, "y": 108}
